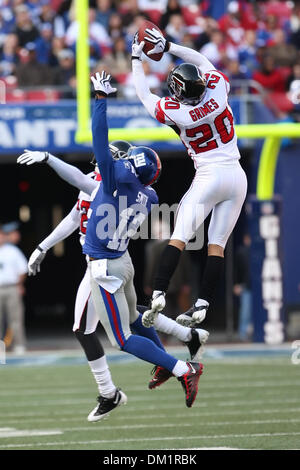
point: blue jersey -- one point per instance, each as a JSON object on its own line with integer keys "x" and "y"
{"x": 121, "y": 203}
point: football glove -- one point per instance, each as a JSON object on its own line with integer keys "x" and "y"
{"x": 137, "y": 48}
{"x": 29, "y": 157}
{"x": 102, "y": 83}
{"x": 35, "y": 260}
{"x": 158, "y": 303}
{"x": 156, "y": 38}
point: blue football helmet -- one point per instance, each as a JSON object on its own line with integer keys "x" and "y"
{"x": 147, "y": 164}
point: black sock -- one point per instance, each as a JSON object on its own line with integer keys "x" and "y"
{"x": 212, "y": 274}
{"x": 168, "y": 263}
{"x": 91, "y": 345}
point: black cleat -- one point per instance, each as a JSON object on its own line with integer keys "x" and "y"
{"x": 195, "y": 345}
{"x": 160, "y": 375}
{"x": 189, "y": 382}
{"x": 106, "y": 405}
{"x": 195, "y": 315}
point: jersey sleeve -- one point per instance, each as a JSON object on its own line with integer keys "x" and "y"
{"x": 162, "y": 108}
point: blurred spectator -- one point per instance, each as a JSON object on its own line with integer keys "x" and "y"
{"x": 115, "y": 26}
{"x": 13, "y": 270}
{"x": 173, "y": 8}
{"x": 234, "y": 72}
{"x": 8, "y": 56}
{"x": 97, "y": 32}
{"x": 5, "y": 28}
{"x": 265, "y": 32}
{"x": 119, "y": 60}
{"x": 231, "y": 24}
{"x": 209, "y": 25}
{"x": 47, "y": 14}
{"x": 153, "y": 8}
{"x": 65, "y": 73}
{"x": 247, "y": 53}
{"x": 283, "y": 54}
{"x": 217, "y": 51}
{"x": 30, "y": 72}
{"x": 176, "y": 29}
{"x": 295, "y": 75}
{"x": 152, "y": 81}
{"x": 242, "y": 288}
{"x": 43, "y": 45}
{"x": 272, "y": 80}
{"x": 269, "y": 76}
{"x": 25, "y": 30}
{"x": 104, "y": 12}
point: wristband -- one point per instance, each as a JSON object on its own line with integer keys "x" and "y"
{"x": 40, "y": 249}
{"x": 167, "y": 46}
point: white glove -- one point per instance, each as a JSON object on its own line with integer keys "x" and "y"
{"x": 35, "y": 261}
{"x": 137, "y": 48}
{"x": 156, "y": 38}
{"x": 102, "y": 83}
{"x": 158, "y": 303}
{"x": 29, "y": 157}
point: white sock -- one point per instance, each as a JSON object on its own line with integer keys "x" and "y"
{"x": 101, "y": 373}
{"x": 180, "y": 368}
{"x": 171, "y": 327}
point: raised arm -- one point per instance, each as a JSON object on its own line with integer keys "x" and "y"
{"x": 191, "y": 56}
{"x": 143, "y": 92}
{"x": 102, "y": 153}
{"x": 67, "y": 172}
{"x": 63, "y": 230}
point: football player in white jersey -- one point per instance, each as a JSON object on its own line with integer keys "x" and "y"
{"x": 199, "y": 113}
{"x": 86, "y": 319}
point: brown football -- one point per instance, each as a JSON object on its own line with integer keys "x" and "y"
{"x": 148, "y": 45}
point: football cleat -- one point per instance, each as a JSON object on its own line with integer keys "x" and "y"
{"x": 189, "y": 382}
{"x": 160, "y": 375}
{"x": 106, "y": 405}
{"x": 195, "y": 315}
{"x": 158, "y": 303}
{"x": 196, "y": 343}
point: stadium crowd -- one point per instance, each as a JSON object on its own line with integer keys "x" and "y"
{"x": 258, "y": 40}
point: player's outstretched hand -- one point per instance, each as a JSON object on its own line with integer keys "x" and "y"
{"x": 137, "y": 47}
{"x": 101, "y": 82}
{"x": 156, "y": 38}
{"x": 29, "y": 157}
{"x": 35, "y": 260}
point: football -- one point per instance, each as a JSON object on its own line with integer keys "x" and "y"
{"x": 148, "y": 45}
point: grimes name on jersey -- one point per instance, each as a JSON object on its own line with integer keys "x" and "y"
{"x": 201, "y": 111}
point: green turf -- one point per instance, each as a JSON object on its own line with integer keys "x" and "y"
{"x": 242, "y": 403}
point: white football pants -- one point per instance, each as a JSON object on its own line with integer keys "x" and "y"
{"x": 217, "y": 187}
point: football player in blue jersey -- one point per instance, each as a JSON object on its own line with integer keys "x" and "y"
{"x": 120, "y": 205}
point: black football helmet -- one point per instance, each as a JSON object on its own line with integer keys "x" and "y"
{"x": 186, "y": 83}
{"x": 119, "y": 149}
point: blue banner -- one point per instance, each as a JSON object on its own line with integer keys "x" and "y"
{"x": 52, "y": 126}
{"x": 266, "y": 269}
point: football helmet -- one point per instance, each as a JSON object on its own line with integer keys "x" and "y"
{"x": 147, "y": 164}
{"x": 119, "y": 149}
{"x": 186, "y": 83}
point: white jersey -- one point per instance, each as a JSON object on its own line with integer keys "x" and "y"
{"x": 207, "y": 129}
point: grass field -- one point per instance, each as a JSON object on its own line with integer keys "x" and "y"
{"x": 244, "y": 403}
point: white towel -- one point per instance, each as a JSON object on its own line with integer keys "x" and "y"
{"x": 99, "y": 273}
